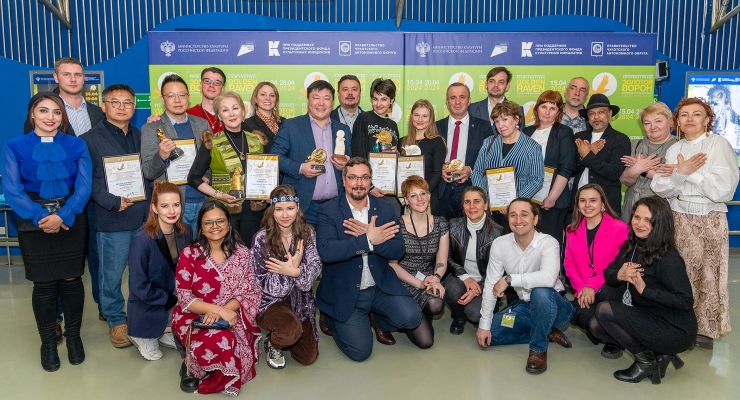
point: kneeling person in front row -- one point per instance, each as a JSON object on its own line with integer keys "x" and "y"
{"x": 529, "y": 261}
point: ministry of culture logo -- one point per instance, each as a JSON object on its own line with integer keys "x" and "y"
{"x": 604, "y": 83}
{"x": 527, "y": 49}
{"x": 345, "y": 48}
{"x": 597, "y": 49}
{"x": 167, "y": 47}
{"x": 246, "y": 47}
{"x": 500, "y": 48}
{"x": 423, "y": 48}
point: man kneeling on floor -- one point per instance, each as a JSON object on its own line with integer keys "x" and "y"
{"x": 529, "y": 261}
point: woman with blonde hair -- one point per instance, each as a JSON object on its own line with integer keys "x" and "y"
{"x": 265, "y": 102}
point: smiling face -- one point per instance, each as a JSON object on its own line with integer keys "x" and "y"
{"x": 521, "y": 218}
{"x": 46, "y": 118}
{"x": 215, "y": 225}
{"x": 285, "y": 213}
{"x": 211, "y": 85}
{"x": 320, "y": 104}
{"x": 381, "y": 103}
{"x": 642, "y": 222}
{"x": 474, "y": 206}
{"x": 357, "y": 181}
{"x": 266, "y": 99}
{"x": 589, "y": 203}
{"x": 418, "y": 199}
{"x": 657, "y": 127}
{"x": 599, "y": 118}
{"x": 231, "y": 113}
{"x": 168, "y": 210}
{"x": 176, "y": 98}
{"x": 693, "y": 119}
{"x": 421, "y": 118}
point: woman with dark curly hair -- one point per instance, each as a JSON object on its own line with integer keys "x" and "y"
{"x": 704, "y": 176}
{"x": 655, "y": 320}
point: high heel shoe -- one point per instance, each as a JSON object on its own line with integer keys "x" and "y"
{"x": 50, "y": 356}
{"x": 665, "y": 359}
{"x": 75, "y": 350}
{"x": 645, "y": 366}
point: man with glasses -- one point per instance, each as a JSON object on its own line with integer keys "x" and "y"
{"x": 212, "y": 83}
{"x": 176, "y": 123}
{"x": 117, "y": 219}
{"x": 356, "y": 235}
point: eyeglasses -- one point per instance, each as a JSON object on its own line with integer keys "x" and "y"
{"x": 117, "y": 104}
{"x": 171, "y": 96}
{"x": 420, "y": 195}
{"x": 363, "y": 178}
{"x": 221, "y": 222}
{"x": 212, "y": 82}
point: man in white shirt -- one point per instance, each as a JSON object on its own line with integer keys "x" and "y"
{"x": 528, "y": 261}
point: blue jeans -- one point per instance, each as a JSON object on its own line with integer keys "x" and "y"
{"x": 113, "y": 249}
{"x": 93, "y": 260}
{"x": 190, "y": 215}
{"x": 354, "y": 337}
{"x": 534, "y": 320}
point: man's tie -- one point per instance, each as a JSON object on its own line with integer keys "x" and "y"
{"x": 455, "y": 139}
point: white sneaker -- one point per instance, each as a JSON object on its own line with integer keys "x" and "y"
{"x": 167, "y": 340}
{"x": 148, "y": 348}
{"x": 275, "y": 357}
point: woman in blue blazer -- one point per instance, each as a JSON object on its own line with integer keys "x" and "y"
{"x": 151, "y": 262}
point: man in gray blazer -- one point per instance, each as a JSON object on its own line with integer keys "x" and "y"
{"x": 176, "y": 124}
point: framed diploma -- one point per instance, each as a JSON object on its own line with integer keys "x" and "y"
{"x": 501, "y": 187}
{"x": 177, "y": 172}
{"x": 546, "y": 183}
{"x": 384, "y": 171}
{"x": 123, "y": 176}
{"x": 263, "y": 175}
{"x": 407, "y": 166}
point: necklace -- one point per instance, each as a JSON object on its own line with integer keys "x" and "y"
{"x": 206, "y": 114}
{"x": 241, "y": 154}
{"x": 416, "y": 233}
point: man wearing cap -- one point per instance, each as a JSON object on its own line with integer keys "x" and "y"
{"x": 600, "y": 149}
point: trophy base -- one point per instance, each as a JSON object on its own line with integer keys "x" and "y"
{"x": 239, "y": 194}
{"x": 455, "y": 176}
{"x": 175, "y": 154}
{"x": 386, "y": 147}
{"x": 319, "y": 167}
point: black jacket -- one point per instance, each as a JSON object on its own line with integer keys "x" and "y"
{"x": 606, "y": 167}
{"x": 560, "y": 153}
{"x": 459, "y": 237}
{"x": 255, "y": 122}
{"x": 478, "y": 131}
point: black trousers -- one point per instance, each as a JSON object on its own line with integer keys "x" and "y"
{"x": 44, "y": 301}
{"x": 552, "y": 222}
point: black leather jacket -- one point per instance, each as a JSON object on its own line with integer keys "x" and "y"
{"x": 459, "y": 236}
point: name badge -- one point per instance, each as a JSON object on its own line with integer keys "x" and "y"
{"x": 47, "y": 139}
{"x": 507, "y": 320}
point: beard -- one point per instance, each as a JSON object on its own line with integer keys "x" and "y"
{"x": 358, "y": 196}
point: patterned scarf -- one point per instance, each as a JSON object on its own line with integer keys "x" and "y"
{"x": 270, "y": 121}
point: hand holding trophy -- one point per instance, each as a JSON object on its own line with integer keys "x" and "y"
{"x": 176, "y": 153}
{"x": 384, "y": 143}
{"x": 319, "y": 157}
{"x": 455, "y": 166}
{"x": 340, "y": 148}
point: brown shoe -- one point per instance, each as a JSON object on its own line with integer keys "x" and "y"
{"x": 705, "y": 342}
{"x": 536, "y": 362}
{"x": 557, "y": 336}
{"x": 60, "y": 337}
{"x": 119, "y": 336}
{"x": 382, "y": 337}
{"x": 322, "y": 325}
{"x": 101, "y": 317}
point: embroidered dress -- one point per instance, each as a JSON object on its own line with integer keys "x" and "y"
{"x": 222, "y": 359}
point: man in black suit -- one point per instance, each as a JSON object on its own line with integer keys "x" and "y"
{"x": 464, "y": 134}
{"x": 600, "y": 150}
{"x": 349, "y": 92}
{"x": 498, "y": 81}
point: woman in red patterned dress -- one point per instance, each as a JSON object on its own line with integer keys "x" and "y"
{"x": 215, "y": 280}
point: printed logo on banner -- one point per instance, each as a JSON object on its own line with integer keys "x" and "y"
{"x": 527, "y": 49}
{"x": 528, "y": 113}
{"x": 167, "y": 47}
{"x": 345, "y": 48}
{"x": 500, "y": 48}
{"x": 247, "y": 47}
{"x": 272, "y": 46}
{"x": 423, "y": 48}
{"x": 161, "y": 78}
{"x": 597, "y": 49}
{"x": 249, "y": 108}
{"x": 311, "y": 78}
{"x": 462, "y": 77}
{"x": 604, "y": 83}
{"x": 396, "y": 113}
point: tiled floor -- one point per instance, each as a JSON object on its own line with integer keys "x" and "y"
{"x": 454, "y": 368}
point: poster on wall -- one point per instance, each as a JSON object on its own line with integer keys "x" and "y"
{"x": 722, "y": 91}
{"x": 619, "y": 65}
{"x": 290, "y": 60}
{"x": 43, "y": 81}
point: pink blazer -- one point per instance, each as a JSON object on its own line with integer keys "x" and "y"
{"x": 609, "y": 238}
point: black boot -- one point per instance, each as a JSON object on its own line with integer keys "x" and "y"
{"x": 50, "y": 357}
{"x": 75, "y": 350}
{"x": 645, "y": 366}
{"x": 611, "y": 351}
{"x": 665, "y": 359}
{"x": 188, "y": 383}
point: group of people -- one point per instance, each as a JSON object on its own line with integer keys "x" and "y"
{"x": 208, "y": 271}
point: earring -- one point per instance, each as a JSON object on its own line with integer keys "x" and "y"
{"x": 603, "y": 209}
{"x": 678, "y": 132}
{"x": 705, "y": 131}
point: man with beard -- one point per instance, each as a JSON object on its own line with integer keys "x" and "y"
{"x": 356, "y": 235}
{"x": 600, "y": 150}
{"x": 575, "y": 95}
{"x": 349, "y": 92}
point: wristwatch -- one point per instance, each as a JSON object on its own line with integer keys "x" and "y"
{"x": 507, "y": 279}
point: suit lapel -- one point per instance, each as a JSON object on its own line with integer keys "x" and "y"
{"x": 167, "y": 127}
{"x": 165, "y": 250}
{"x": 344, "y": 208}
{"x": 108, "y": 136}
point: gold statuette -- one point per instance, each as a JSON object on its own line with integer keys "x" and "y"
{"x": 175, "y": 154}
{"x": 319, "y": 157}
{"x": 237, "y": 183}
{"x": 456, "y": 165}
{"x": 385, "y": 140}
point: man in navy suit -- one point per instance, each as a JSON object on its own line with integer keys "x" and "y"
{"x": 464, "y": 134}
{"x": 498, "y": 81}
{"x": 300, "y": 136}
{"x": 356, "y": 235}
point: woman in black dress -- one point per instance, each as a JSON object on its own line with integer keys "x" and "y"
{"x": 265, "y": 102}
{"x": 422, "y": 132}
{"x": 655, "y": 319}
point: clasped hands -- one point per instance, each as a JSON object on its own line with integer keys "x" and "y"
{"x": 52, "y": 223}
{"x": 223, "y": 313}
{"x": 632, "y": 273}
{"x": 375, "y": 234}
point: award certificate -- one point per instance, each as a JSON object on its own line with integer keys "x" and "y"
{"x": 501, "y": 187}
{"x": 263, "y": 174}
{"x": 177, "y": 172}
{"x": 123, "y": 176}
{"x": 546, "y": 183}
{"x": 384, "y": 171}
{"x": 407, "y": 166}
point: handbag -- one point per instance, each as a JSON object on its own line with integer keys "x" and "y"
{"x": 51, "y": 205}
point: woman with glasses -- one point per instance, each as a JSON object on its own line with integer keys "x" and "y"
{"x": 225, "y": 154}
{"x": 215, "y": 284}
{"x": 266, "y": 104}
{"x": 286, "y": 264}
{"x": 425, "y": 262}
{"x": 47, "y": 180}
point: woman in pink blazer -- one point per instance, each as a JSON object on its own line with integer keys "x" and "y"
{"x": 593, "y": 240}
